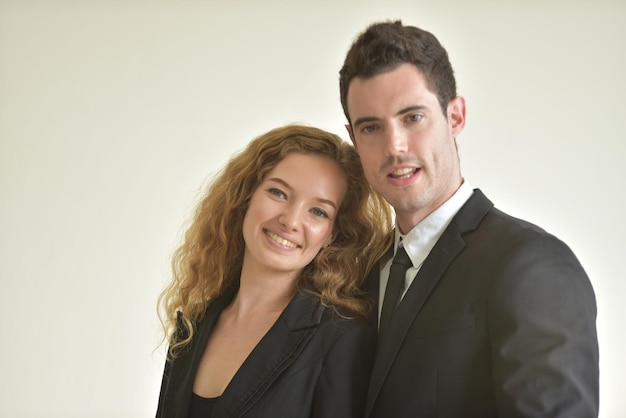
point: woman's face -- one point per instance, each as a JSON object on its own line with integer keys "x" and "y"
{"x": 292, "y": 213}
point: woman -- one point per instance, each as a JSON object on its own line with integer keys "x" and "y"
{"x": 262, "y": 315}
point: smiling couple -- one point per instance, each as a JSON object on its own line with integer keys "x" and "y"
{"x": 279, "y": 284}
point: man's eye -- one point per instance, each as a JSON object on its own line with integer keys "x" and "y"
{"x": 319, "y": 212}
{"x": 415, "y": 118}
{"x": 368, "y": 129}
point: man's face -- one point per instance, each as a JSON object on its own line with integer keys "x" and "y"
{"x": 406, "y": 144}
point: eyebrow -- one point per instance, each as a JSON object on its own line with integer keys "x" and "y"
{"x": 285, "y": 184}
{"x": 361, "y": 121}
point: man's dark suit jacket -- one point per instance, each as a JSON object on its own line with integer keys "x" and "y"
{"x": 311, "y": 363}
{"x": 499, "y": 322}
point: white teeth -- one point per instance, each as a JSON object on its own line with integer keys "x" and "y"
{"x": 281, "y": 240}
{"x": 402, "y": 172}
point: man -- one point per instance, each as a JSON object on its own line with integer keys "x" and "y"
{"x": 492, "y": 316}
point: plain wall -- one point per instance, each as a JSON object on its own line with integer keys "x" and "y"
{"x": 114, "y": 114}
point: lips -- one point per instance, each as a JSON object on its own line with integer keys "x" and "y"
{"x": 280, "y": 240}
{"x": 403, "y": 173}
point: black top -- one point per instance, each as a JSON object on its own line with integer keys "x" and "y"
{"x": 201, "y": 407}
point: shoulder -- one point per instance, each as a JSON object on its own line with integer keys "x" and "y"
{"x": 494, "y": 225}
{"x": 518, "y": 244}
{"x": 522, "y": 237}
{"x": 342, "y": 322}
{"x": 332, "y": 319}
{"x": 346, "y": 336}
{"x": 530, "y": 265}
{"x": 517, "y": 253}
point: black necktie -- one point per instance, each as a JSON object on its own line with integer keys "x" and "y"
{"x": 395, "y": 285}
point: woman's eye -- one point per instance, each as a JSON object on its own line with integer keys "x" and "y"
{"x": 277, "y": 192}
{"x": 319, "y": 212}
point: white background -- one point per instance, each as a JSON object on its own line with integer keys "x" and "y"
{"x": 113, "y": 115}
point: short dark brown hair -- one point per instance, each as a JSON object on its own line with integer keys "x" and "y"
{"x": 384, "y": 46}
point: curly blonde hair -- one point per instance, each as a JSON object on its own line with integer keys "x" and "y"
{"x": 210, "y": 258}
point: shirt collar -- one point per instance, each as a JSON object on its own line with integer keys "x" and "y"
{"x": 422, "y": 237}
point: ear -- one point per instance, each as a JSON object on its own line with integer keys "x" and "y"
{"x": 456, "y": 115}
{"x": 350, "y": 133}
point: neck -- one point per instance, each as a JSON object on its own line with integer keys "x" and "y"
{"x": 407, "y": 220}
{"x": 263, "y": 292}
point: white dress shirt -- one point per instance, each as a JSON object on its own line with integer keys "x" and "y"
{"x": 422, "y": 238}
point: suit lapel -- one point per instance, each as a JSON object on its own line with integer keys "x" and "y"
{"x": 449, "y": 245}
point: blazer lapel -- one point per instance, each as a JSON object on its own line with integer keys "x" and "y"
{"x": 450, "y": 244}
{"x": 275, "y": 352}
{"x": 182, "y": 382}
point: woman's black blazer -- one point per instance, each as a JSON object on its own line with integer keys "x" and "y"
{"x": 311, "y": 363}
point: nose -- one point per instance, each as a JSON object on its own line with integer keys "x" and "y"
{"x": 395, "y": 141}
{"x": 291, "y": 217}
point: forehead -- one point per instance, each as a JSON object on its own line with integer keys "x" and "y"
{"x": 298, "y": 161}
{"x": 312, "y": 174}
{"x": 389, "y": 92}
